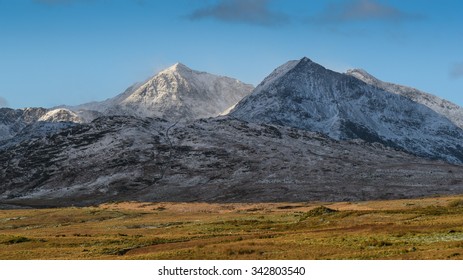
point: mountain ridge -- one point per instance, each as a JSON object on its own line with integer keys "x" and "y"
{"x": 176, "y": 93}
{"x": 305, "y": 133}
{"x": 448, "y": 109}
{"x": 214, "y": 160}
{"x": 309, "y": 96}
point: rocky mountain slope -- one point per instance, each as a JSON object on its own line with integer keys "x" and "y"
{"x": 446, "y": 108}
{"x": 223, "y": 159}
{"x": 305, "y": 95}
{"x": 305, "y": 133}
{"x": 13, "y": 121}
{"x": 177, "y": 93}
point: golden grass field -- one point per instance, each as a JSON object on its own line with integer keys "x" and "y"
{"x": 428, "y": 228}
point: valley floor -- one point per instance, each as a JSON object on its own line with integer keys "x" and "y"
{"x": 427, "y": 228}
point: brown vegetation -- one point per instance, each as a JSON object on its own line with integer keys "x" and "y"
{"x": 429, "y": 228}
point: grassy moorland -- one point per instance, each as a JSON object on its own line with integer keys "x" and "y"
{"x": 428, "y": 228}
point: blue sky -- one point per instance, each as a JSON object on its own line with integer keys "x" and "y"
{"x": 56, "y": 52}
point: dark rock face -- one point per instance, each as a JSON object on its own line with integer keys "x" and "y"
{"x": 303, "y": 94}
{"x": 222, "y": 160}
{"x": 13, "y": 121}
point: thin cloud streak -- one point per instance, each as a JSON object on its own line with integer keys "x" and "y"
{"x": 57, "y": 2}
{"x": 253, "y": 12}
{"x": 457, "y": 71}
{"x": 364, "y": 10}
{"x": 3, "y": 102}
{"x": 68, "y": 2}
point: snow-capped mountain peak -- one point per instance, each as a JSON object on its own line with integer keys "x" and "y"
{"x": 177, "y": 93}
{"x": 306, "y": 95}
{"x": 282, "y": 71}
{"x": 61, "y": 115}
{"x": 177, "y": 67}
{"x": 47, "y": 160}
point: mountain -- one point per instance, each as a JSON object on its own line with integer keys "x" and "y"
{"x": 446, "y": 108}
{"x": 305, "y": 95}
{"x": 12, "y": 121}
{"x": 305, "y": 133}
{"x": 176, "y": 93}
{"x": 61, "y": 115}
{"x": 120, "y": 158}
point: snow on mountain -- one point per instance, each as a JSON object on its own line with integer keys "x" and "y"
{"x": 61, "y": 115}
{"x": 64, "y": 114}
{"x": 43, "y": 121}
{"x": 176, "y": 93}
{"x": 279, "y": 143}
{"x": 305, "y": 95}
{"x": 12, "y": 121}
{"x": 103, "y": 106}
{"x": 446, "y": 108}
{"x": 120, "y": 158}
